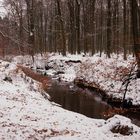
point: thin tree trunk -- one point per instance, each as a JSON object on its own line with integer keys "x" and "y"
{"x": 108, "y": 28}
{"x": 136, "y": 33}
{"x": 77, "y": 13}
{"x": 124, "y": 32}
{"x": 62, "y": 29}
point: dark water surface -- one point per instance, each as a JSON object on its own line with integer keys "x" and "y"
{"x": 77, "y": 99}
{"x": 83, "y": 101}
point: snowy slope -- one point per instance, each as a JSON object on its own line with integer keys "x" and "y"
{"x": 25, "y": 114}
{"x": 108, "y": 74}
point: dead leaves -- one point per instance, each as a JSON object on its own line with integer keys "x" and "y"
{"x": 48, "y": 133}
{"x": 45, "y": 82}
{"x": 122, "y": 129}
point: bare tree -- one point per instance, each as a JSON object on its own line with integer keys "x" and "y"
{"x": 62, "y": 27}
{"x": 135, "y": 14}
{"x": 108, "y": 28}
{"x": 76, "y": 26}
{"x": 31, "y": 27}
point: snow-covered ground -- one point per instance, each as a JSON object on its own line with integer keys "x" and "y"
{"x": 25, "y": 114}
{"x": 108, "y": 74}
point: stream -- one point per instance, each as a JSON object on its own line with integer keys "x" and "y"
{"x": 83, "y": 101}
{"x": 76, "y": 99}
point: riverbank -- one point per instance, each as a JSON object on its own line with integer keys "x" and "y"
{"x": 110, "y": 75}
{"x": 25, "y": 114}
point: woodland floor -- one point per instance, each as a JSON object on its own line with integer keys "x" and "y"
{"x": 25, "y": 114}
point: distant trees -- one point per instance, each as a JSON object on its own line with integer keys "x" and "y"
{"x": 135, "y": 14}
{"x": 75, "y": 26}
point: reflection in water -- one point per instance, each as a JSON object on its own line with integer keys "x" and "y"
{"x": 78, "y": 100}
{"x": 83, "y": 101}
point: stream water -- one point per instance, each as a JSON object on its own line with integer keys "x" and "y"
{"x": 82, "y": 100}
{"x": 77, "y": 99}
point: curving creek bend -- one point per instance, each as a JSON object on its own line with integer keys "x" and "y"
{"x": 83, "y": 100}
{"x": 76, "y": 99}
{"x": 79, "y": 99}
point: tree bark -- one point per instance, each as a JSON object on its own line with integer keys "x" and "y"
{"x": 136, "y": 33}
{"x": 77, "y": 14}
{"x": 31, "y": 26}
{"x": 124, "y": 32}
{"x": 108, "y": 28}
{"x": 62, "y": 28}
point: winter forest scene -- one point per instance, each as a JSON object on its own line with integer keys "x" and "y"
{"x": 69, "y": 69}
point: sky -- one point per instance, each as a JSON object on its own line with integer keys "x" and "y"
{"x": 2, "y": 10}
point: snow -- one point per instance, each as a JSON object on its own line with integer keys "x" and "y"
{"x": 108, "y": 74}
{"x": 2, "y": 9}
{"x": 25, "y": 114}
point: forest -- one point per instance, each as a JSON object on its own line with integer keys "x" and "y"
{"x": 73, "y": 26}
{"x": 58, "y": 57}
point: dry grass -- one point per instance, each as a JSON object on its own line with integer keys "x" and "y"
{"x": 113, "y": 111}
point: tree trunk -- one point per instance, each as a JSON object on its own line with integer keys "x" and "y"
{"x": 125, "y": 31}
{"x": 136, "y": 33}
{"x": 31, "y": 26}
{"x": 77, "y": 13}
{"x": 109, "y": 28}
{"x": 72, "y": 26}
{"x": 62, "y": 28}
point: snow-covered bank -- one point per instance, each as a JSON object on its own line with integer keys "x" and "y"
{"x": 25, "y": 114}
{"x": 111, "y": 76}
{"x": 108, "y": 74}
